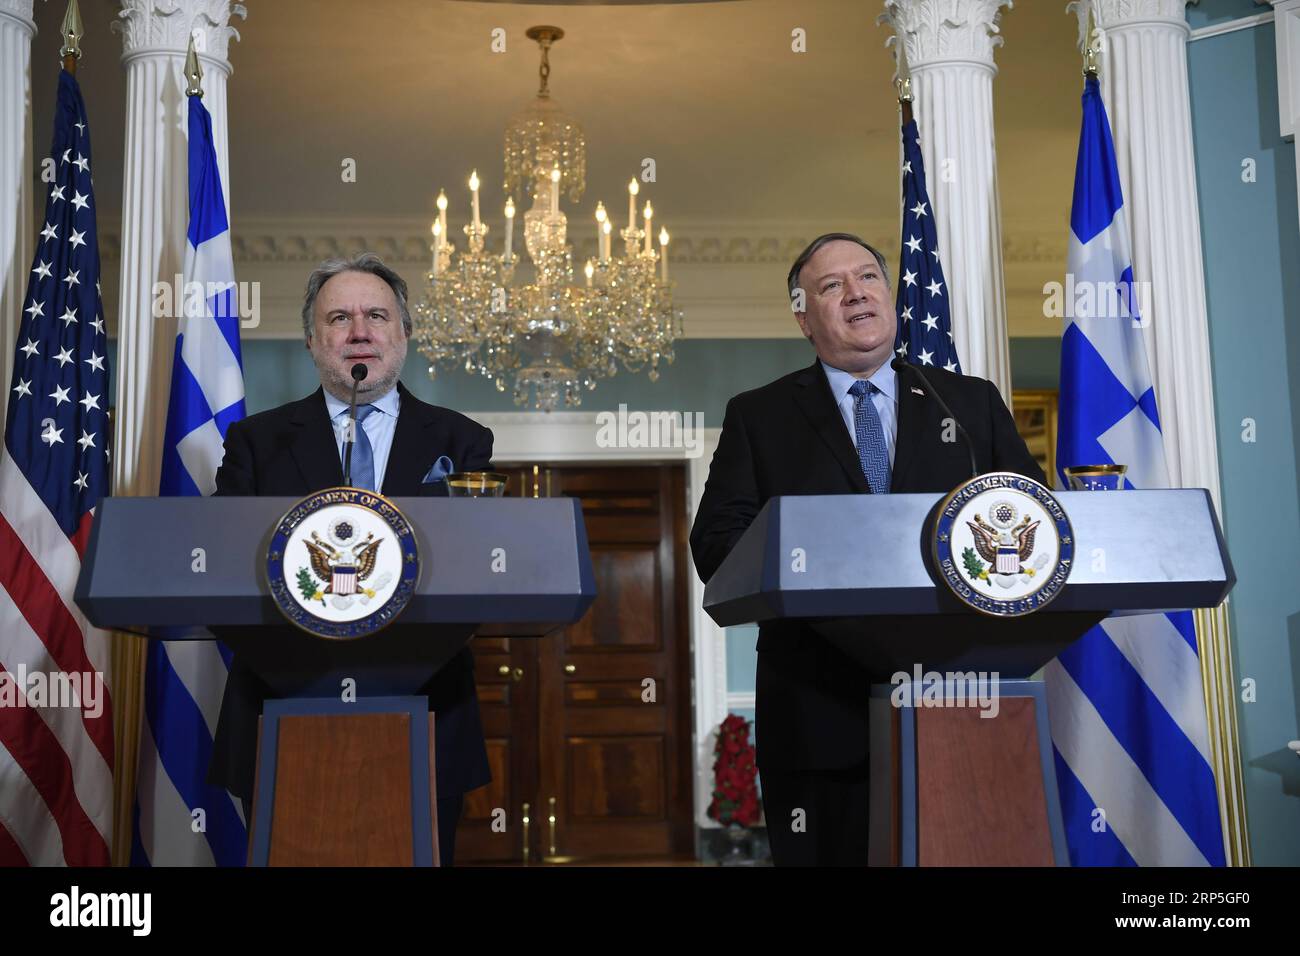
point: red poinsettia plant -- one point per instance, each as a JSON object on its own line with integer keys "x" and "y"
{"x": 735, "y": 791}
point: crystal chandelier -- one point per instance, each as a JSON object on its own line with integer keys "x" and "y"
{"x": 503, "y": 318}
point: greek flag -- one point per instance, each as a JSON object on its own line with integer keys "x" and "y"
{"x": 1125, "y": 704}
{"x": 179, "y": 819}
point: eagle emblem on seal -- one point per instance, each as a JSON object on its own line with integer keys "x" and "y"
{"x": 340, "y": 565}
{"x": 1006, "y": 545}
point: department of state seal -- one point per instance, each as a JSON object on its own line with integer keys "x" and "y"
{"x": 342, "y": 563}
{"x": 1003, "y": 544}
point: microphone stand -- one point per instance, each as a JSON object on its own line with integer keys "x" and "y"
{"x": 350, "y": 436}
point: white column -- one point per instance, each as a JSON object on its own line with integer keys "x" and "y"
{"x": 155, "y": 208}
{"x": 949, "y": 44}
{"x": 16, "y": 31}
{"x": 1144, "y": 83}
{"x": 1287, "y": 32}
{"x": 1143, "y": 73}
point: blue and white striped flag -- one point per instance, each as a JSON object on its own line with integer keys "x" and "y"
{"x": 1125, "y": 704}
{"x": 184, "y": 680}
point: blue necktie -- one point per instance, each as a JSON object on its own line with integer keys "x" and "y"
{"x": 873, "y": 453}
{"x": 363, "y": 455}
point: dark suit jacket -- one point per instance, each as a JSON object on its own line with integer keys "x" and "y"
{"x": 788, "y": 438}
{"x": 292, "y": 451}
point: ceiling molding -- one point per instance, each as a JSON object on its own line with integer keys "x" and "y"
{"x": 714, "y": 243}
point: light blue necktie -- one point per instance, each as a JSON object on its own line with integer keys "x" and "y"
{"x": 873, "y": 453}
{"x": 363, "y": 455}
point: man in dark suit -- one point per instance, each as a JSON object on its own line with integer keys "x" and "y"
{"x": 848, "y": 424}
{"x": 355, "y": 310}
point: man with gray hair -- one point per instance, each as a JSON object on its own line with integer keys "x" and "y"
{"x": 854, "y": 422}
{"x": 355, "y": 312}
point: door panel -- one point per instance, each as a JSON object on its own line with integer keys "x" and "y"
{"x": 621, "y": 778}
{"x": 628, "y": 584}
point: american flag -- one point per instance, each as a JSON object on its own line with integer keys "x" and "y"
{"x": 924, "y": 327}
{"x": 56, "y": 748}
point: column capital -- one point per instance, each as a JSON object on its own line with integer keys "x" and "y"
{"x": 1118, "y": 14}
{"x": 154, "y": 27}
{"x": 946, "y": 31}
{"x": 19, "y": 12}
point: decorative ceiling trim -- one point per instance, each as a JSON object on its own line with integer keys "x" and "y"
{"x": 717, "y": 243}
{"x": 1232, "y": 26}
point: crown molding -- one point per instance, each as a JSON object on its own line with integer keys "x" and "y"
{"x": 1232, "y": 26}
{"x": 737, "y": 242}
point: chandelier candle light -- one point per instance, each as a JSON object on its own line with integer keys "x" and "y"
{"x": 503, "y": 318}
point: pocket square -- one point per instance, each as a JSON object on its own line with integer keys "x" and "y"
{"x": 440, "y": 470}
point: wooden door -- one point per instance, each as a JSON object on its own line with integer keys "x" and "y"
{"x": 590, "y": 726}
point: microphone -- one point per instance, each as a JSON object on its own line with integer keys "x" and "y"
{"x": 898, "y": 365}
{"x": 359, "y": 373}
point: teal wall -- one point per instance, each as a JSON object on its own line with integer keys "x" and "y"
{"x": 1252, "y": 269}
{"x": 742, "y": 657}
{"x": 704, "y": 375}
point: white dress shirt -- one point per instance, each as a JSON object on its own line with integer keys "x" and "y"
{"x": 379, "y": 427}
{"x": 885, "y": 400}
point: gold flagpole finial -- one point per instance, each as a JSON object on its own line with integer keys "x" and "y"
{"x": 1091, "y": 43}
{"x": 193, "y": 72}
{"x": 72, "y": 32}
{"x": 903, "y": 73}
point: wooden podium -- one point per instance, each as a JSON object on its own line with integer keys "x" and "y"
{"x": 950, "y": 787}
{"x": 343, "y": 779}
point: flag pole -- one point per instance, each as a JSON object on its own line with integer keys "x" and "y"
{"x": 72, "y": 31}
{"x": 903, "y": 84}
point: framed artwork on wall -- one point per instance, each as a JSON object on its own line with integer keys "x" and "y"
{"x": 1034, "y": 410}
